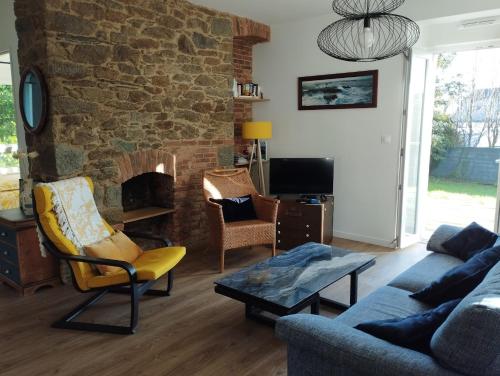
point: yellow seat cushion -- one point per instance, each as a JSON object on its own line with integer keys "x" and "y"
{"x": 151, "y": 265}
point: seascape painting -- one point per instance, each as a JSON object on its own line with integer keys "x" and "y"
{"x": 346, "y": 90}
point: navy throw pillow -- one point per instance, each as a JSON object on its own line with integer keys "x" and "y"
{"x": 237, "y": 208}
{"x": 461, "y": 280}
{"x": 469, "y": 241}
{"x": 413, "y": 332}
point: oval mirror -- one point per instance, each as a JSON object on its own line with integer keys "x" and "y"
{"x": 33, "y": 100}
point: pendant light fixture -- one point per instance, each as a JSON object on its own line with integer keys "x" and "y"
{"x": 368, "y": 31}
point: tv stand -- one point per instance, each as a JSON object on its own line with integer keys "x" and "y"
{"x": 300, "y": 223}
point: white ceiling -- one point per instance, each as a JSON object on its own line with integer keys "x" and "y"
{"x": 271, "y": 11}
{"x": 279, "y": 11}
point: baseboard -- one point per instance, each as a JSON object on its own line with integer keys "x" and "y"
{"x": 364, "y": 239}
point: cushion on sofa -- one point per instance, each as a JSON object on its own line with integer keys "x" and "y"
{"x": 384, "y": 303}
{"x": 415, "y": 331}
{"x": 461, "y": 280}
{"x": 442, "y": 234}
{"x": 472, "y": 239}
{"x": 468, "y": 341}
{"x": 423, "y": 273}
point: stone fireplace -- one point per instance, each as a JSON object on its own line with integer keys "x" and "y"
{"x": 136, "y": 88}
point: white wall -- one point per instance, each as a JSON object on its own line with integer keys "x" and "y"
{"x": 8, "y": 43}
{"x": 365, "y": 169}
{"x": 366, "y": 177}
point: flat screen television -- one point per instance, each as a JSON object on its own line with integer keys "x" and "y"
{"x": 301, "y": 176}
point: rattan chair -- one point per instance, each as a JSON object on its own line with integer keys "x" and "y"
{"x": 235, "y": 183}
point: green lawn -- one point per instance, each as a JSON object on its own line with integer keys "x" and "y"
{"x": 459, "y": 187}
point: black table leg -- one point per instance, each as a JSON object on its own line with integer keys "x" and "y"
{"x": 352, "y": 299}
{"x": 354, "y": 288}
{"x": 315, "y": 305}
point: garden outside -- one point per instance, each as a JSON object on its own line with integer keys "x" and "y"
{"x": 459, "y": 203}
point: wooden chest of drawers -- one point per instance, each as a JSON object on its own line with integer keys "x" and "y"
{"x": 21, "y": 264}
{"x": 300, "y": 223}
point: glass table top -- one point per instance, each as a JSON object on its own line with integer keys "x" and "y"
{"x": 295, "y": 275}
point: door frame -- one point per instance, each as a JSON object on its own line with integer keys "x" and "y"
{"x": 425, "y": 146}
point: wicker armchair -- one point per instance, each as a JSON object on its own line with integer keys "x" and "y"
{"x": 235, "y": 183}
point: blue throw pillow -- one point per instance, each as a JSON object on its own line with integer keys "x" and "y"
{"x": 469, "y": 241}
{"x": 413, "y": 332}
{"x": 461, "y": 280}
{"x": 237, "y": 208}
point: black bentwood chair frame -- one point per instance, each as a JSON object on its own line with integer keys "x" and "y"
{"x": 134, "y": 287}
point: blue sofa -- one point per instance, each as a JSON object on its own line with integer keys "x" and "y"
{"x": 468, "y": 342}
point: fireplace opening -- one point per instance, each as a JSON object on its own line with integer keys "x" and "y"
{"x": 146, "y": 200}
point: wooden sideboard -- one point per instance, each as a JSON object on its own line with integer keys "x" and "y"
{"x": 21, "y": 263}
{"x": 300, "y": 223}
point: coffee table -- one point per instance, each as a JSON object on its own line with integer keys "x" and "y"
{"x": 292, "y": 281}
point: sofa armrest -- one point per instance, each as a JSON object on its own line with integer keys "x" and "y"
{"x": 442, "y": 234}
{"x": 352, "y": 351}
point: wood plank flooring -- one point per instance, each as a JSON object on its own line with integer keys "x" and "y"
{"x": 193, "y": 332}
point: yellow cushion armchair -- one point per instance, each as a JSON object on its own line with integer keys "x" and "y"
{"x": 135, "y": 279}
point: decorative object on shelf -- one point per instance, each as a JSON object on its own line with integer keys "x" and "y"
{"x": 368, "y": 31}
{"x": 26, "y": 184}
{"x": 33, "y": 100}
{"x": 338, "y": 91}
{"x": 248, "y": 90}
{"x": 25, "y": 196}
{"x": 258, "y": 130}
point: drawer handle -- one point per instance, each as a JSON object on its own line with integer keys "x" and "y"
{"x": 279, "y": 223}
{"x": 3, "y": 234}
{"x": 7, "y": 271}
{"x": 307, "y": 235}
{"x": 279, "y": 241}
{"x": 307, "y": 226}
{"x": 5, "y": 253}
{"x": 279, "y": 232}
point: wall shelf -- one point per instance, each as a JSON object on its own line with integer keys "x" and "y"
{"x": 250, "y": 99}
{"x": 145, "y": 213}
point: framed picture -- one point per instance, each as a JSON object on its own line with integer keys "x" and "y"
{"x": 336, "y": 91}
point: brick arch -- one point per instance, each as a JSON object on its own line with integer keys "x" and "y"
{"x": 144, "y": 161}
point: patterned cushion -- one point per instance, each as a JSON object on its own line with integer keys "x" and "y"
{"x": 468, "y": 341}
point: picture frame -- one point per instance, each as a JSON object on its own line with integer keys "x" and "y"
{"x": 338, "y": 91}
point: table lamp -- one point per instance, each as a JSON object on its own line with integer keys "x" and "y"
{"x": 256, "y": 131}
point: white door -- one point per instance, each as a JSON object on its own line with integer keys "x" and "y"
{"x": 415, "y": 148}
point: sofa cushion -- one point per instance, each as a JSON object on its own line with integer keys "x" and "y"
{"x": 442, "y": 234}
{"x": 472, "y": 239}
{"x": 461, "y": 280}
{"x": 384, "y": 303}
{"x": 415, "y": 331}
{"x": 468, "y": 341}
{"x": 423, "y": 273}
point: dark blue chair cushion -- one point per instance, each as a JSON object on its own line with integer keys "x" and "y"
{"x": 413, "y": 332}
{"x": 469, "y": 241}
{"x": 461, "y": 280}
{"x": 237, "y": 208}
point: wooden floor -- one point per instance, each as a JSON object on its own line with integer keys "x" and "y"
{"x": 193, "y": 332}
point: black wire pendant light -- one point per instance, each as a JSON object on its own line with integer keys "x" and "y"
{"x": 368, "y": 31}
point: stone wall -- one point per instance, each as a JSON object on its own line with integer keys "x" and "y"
{"x": 126, "y": 76}
{"x": 469, "y": 164}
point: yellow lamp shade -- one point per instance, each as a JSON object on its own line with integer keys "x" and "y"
{"x": 257, "y": 130}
